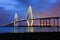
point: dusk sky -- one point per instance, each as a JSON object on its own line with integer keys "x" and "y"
{"x": 40, "y": 8}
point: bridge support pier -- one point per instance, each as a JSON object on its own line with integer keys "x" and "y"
{"x": 43, "y": 22}
{"x": 40, "y": 22}
{"x": 58, "y": 24}
{"x": 46, "y": 22}
{"x": 54, "y": 22}
{"x": 49, "y": 22}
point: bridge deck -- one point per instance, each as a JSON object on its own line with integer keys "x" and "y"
{"x": 55, "y": 23}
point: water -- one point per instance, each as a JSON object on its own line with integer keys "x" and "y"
{"x": 24, "y": 29}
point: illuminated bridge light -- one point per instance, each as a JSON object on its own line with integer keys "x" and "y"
{"x": 15, "y": 23}
{"x": 29, "y": 16}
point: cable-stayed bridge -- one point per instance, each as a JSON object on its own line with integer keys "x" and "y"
{"x": 30, "y": 21}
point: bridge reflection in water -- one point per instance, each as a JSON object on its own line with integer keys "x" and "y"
{"x": 24, "y": 29}
{"x": 50, "y": 24}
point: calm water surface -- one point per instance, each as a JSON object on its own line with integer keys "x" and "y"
{"x": 24, "y": 29}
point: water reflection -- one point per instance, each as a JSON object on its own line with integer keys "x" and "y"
{"x": 24, "y": 29}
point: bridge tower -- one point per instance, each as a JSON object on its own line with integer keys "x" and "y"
{"x": 15, "y": 23}
{"x": 30, "y": 22}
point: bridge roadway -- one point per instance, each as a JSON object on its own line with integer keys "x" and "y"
{"x": 47, "y": 18}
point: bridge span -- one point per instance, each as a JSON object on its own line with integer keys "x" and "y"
{"x": 43, "y": 22}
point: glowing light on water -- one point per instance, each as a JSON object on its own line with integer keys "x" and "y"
{"x": 29, "y": 16}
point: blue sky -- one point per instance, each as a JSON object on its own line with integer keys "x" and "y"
{"x": 39, "y": 7}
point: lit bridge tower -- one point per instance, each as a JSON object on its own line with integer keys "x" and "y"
{"x": 15, "y": 23}
{"x": 30, "y": 22}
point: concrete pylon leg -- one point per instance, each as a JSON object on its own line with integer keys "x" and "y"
{"x": 15, "y": 23}
{"x": 30, "y": 16}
